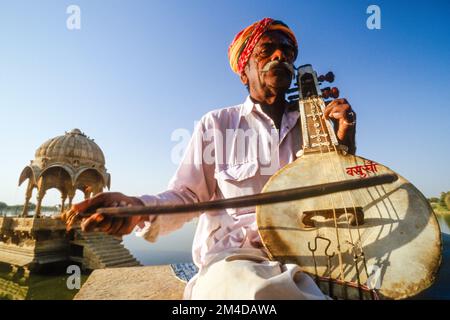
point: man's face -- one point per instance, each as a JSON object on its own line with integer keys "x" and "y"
{"x": 273, "y": 46}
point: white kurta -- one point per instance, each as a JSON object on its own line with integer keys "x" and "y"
{"x": 233, "y": 152}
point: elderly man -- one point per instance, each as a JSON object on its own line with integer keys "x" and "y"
{"x": 227, "y": 248}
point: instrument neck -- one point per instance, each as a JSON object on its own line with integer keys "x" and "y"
{"x": 317, "y": 133}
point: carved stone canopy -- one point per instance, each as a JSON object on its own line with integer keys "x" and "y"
{"x": 68, "y": 163}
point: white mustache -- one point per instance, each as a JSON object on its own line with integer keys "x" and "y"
{"x": 276, "y": 63}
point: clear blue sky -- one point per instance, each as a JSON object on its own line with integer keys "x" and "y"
{"x": 138, "y": 70}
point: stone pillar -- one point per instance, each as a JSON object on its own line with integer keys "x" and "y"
{"x": 13, "y": 271}
{"x": 40, "y": 196}
{"x": 71, "y": 196}
{"x": 63, "y": 201}
{"x": 28, "y": 195}
{"x": 25, "y": 276}
{"x": 26, "y": 272}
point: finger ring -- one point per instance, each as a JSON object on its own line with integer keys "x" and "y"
{"x": 351, "y": 118}
{"x": 351, "y": 114}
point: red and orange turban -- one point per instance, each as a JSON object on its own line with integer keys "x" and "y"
{"x": 245, "y": 41}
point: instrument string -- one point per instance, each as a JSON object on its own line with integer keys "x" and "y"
{"x": 352, "y": 200}
{"x": 301, "y": 105}
{"x": 325, "y": 176}
{"x": 323, "y": 126}
{"x": 354, "y": 208}
{"x": 341, "y": 269}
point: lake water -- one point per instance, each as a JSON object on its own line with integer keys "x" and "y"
{"x": 175, "y": 248}
{"x": 444, "y": 222}
{"x": 441, "y": 288}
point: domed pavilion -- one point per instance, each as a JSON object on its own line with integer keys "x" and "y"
{"x": 68, "y": 163}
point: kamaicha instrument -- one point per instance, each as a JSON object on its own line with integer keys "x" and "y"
{"x": 359, "y": 229}
{"x": 382, "y": 241}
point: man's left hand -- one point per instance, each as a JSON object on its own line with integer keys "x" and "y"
{"x": 340, "y": 111}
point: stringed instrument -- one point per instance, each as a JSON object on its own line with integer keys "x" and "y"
{"x": 375, "y": 242}
{"x": 359, "y": 229}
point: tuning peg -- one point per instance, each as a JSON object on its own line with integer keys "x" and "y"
{"x": 330, "y": 92}
{"x": 334, "y": 92}
{"x": 329, "y": 77}
{"x": 326, "y": 92}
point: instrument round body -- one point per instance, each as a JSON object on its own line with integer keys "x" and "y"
{"x": 393, "y": 224}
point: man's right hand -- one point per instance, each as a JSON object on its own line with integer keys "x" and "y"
{"x": 117, "y": 226}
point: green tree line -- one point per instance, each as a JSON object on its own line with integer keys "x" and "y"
{"x": 441, "y": 203}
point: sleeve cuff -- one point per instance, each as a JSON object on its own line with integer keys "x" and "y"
{"x": 149, "y": 230}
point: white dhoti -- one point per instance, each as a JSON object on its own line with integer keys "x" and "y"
{"x": 247, "y": 273}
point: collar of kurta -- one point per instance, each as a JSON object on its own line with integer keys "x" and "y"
{"x": 249, "y": 107}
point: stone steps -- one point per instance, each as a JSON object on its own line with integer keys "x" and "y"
{"x": 102, "y": 243}
{"x": 130, "y": 263}
{"x": 117, "y": 264}
{"x": 114, "y": 262}
{"x": 105, "y": 251}
{"x": 116, "y": 256}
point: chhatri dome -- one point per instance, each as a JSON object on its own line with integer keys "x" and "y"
{"x": 68, "y": 163}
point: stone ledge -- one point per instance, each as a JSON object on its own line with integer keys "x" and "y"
{"x": 132, "y": 283}
{"x": 31, "y": 224}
